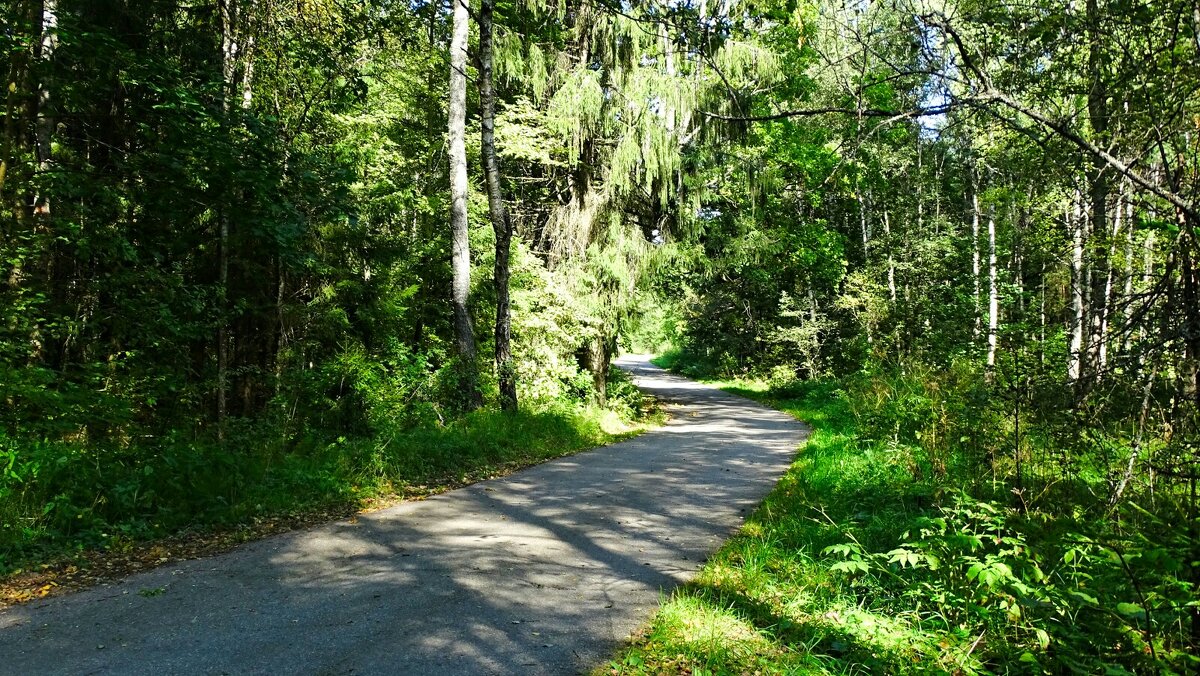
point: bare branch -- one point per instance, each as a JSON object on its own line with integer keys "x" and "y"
{"x": 927, "y": 111}
{"x": 1089, "y": 147}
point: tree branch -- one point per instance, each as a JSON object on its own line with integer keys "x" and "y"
{"x": 990, "y": 93}
{"x": 926, "y": 111}
{"x": 1095, "y": 150}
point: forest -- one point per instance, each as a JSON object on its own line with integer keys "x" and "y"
{"x": 263, "y": 258}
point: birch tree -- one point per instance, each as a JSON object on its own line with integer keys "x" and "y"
{"x": 460, "y": 253}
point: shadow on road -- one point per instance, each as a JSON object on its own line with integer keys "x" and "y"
{"x": 544, "y": 571}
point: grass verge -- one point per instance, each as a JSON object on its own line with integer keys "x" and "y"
{"x": 274, "y": 495}
{"x": 901, "y": 541}
{"x": 770, "y": 601}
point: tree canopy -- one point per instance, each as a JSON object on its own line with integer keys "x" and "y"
{"x": 241, "y": 235}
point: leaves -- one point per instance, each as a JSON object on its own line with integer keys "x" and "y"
{"x": 1131, "y": 610}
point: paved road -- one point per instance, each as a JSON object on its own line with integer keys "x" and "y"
{"x": 543, "y": 572}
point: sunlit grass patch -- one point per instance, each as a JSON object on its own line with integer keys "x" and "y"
{"x": 711, "y": 635}
{"x": 692, "y": 635}
{"x": 771, "y": 602}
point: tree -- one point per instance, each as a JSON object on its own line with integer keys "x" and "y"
{"x": 501, "y": 224}
{"x": 460, "y": 253}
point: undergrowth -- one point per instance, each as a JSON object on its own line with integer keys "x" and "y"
{"x": 862, "y": 561}
{"x": 68, "y": 498}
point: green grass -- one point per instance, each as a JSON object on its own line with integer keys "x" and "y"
{"x": 864, "y": 560}
{"x": 84, "y": 501}
{"x": 770, "y": 601}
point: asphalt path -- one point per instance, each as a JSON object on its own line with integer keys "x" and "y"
{"x": 545, "y": 571}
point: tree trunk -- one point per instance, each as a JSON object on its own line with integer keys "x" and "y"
{"x": 17, "y": 93}
{"x": 865, "y": 225}
{"x": 501, "y": 224}
{"x": 1196, "y": 26}
{"x": 460, "y": 252}
{"x": 1147, "y": 281}
{"x": 1105, "y": 309}
{"x": 920, "y": 191}
{"x": 1127, "y": 294}
{"x": 44, "y": 126}
{"x": 975, "y": 268}
{"x": 231, "y": 30}
{"x": 1017, "y": 261}
{"x": 1189, "y": 373}
{"x": 1098, "y": 118}
{"x": 1075, "y": 224}
{"x": 993, "y": 296}
{"x": 247, "y": 59}
{"x": 597, "y": 355}
{"x": 222, "y": 325}
{"x": 45, "y": 21}
{"x": 13, "y": 88}
{"x": 891, "y": 260}
{"x": 1189, "y": 272}
{"x": 1042, "y": 316}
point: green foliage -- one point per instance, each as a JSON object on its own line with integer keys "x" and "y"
{"x": 550, "y": 323}
{"x": 864, "y": 557}
{"x": 60, "y": 497}
{"x": 624, "y": 397}
{"x": 926, "y": 414}
{"x": 236, "y": 303}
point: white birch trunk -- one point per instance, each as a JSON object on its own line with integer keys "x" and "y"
{"x": 1042, "y": 317}
{"x": 864, "y": 223}
{"x": 975, "y": 254}
{"x": 1147, "y": 281}
{"x": 1127, "y": 292}
{"x": 891, "y": 262}
{"x": 993, "y": 294}
{"x": 247, "y": 71}
{"x": 1075, "y": 223}
{"x": 1106, "y": 310}
{"x": 460, "y": 254}
{"x": 920, "y": 191}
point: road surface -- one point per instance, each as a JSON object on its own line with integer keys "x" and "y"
{"x": 545, "y": 571}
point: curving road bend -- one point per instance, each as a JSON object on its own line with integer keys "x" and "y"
{"x": 546, "y": 571}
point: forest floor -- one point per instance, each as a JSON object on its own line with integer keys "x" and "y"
{"x": 544, "y": 571}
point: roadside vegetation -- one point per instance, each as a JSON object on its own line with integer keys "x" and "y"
{"x": 90, "y": 517}
{"x": 868, "y": 559}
